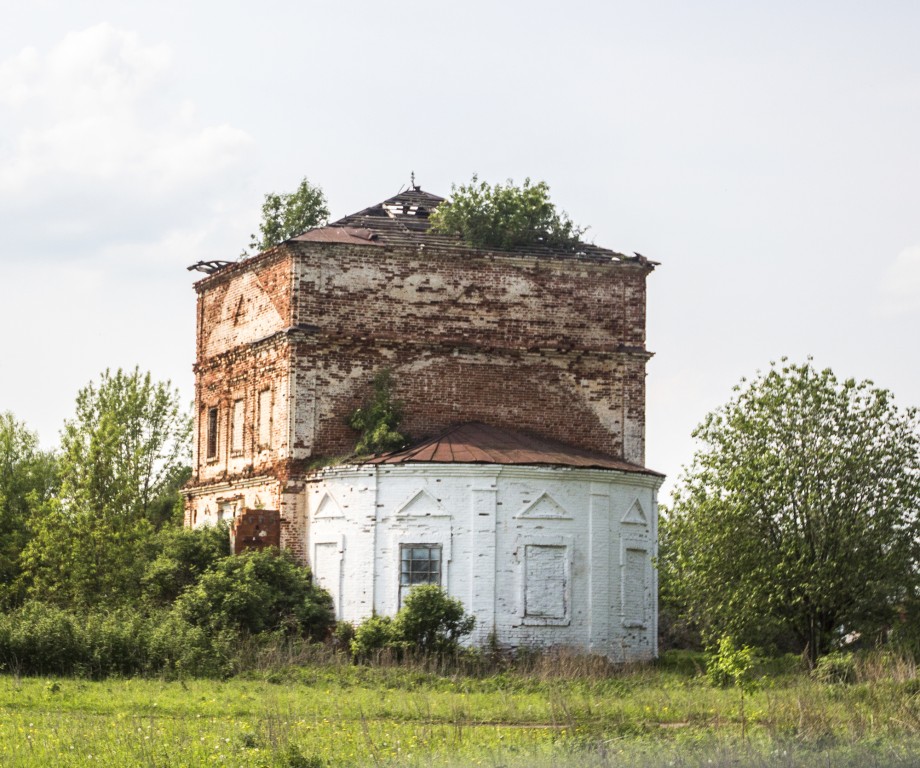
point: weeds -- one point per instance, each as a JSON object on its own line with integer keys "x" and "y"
{"x": 563, "y": 710}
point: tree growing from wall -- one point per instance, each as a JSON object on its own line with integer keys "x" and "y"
{"x": 289, "y": 214}
{"x": 378, "y": 420}
{"x": 505, "y": 216}
{"x": 800, "y": 512}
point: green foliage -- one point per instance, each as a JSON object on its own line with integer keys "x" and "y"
{"x": 184, "y": 554}
{"x": 836, "y": 667}
{"x": 505, "y": 216}
{"x": 44, "y": 639}
{"x": 127, "y": 449}
{"x": 729, "y": 665}
{"x": 28, "y": 479}
{"x": 429, "y": 622}
{"x": 290, "y": 214}
{"x": 798, "y": 516}
{"x": 399, "y": 716}
{"x": 342, "y": 635}
{"x": 378, "y": 420}
{"x": 258, "y": 592}
{"x": 124, "y": 457}
{"x": 373, "y": 635}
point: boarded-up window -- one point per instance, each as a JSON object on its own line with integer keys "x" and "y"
{"x": 265, "y": 418}
{"x": 212, "y": 433}
{"x": 236, "y": 439}
{"x": 327, "y": 569}
{"x": 545, "y": 581}
{"x": 635, "y": 588}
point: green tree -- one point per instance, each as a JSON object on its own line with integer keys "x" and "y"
{"x": 728, "y": 665}
{"x": 505, "y": 216}
{"x": 290, "y": 214}
{"x": 800, "y": 513}
{"x": 28, "y": 478}
{"x": 378, "y": 420}
{"x": 124, "y": 456}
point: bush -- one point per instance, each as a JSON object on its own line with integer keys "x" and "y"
{"x": 185, "y": 554}
{"x": 342, "y": 635}
{"x": 41, "y": 639}
{"x": 378, "y": 420}
{"x": 373, "y": 635}
{"x": 258, "y": 592}
{"x": 430, "y": 622}
{"x": 728, "y": 665}
{"x": 505, "y": 216}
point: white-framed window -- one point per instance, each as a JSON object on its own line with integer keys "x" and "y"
{"x": 418, "y": 564}
{"x": 265, "y": 418}
{"x": 236, "y": 428}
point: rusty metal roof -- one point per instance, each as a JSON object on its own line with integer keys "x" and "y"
{"x": 402, "y": 220}
{"x": 477, "y": 443}
{"x": 340, "y": 235}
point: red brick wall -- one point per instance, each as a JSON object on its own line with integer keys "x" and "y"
{"x": 551, "y": 346}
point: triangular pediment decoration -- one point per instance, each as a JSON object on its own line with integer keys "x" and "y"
{"x": 545, "y": 507}
{"x": 421, "y": 504}
{"x": 328, "y": 507}
{"x": 635, "y": 514}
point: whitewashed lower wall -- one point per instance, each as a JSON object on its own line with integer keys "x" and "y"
{"x": 542, "y": 556}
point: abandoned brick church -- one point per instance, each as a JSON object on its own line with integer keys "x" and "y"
{"x": 522, "y": 376}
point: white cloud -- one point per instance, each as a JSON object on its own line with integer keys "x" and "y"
{"x": 901, "y": 284}
{"x": 99, "y": 151}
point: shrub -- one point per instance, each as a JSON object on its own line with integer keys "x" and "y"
{"x": 373, "y": 635}
{"x": 729, "y": 665}
{"x": 184, "y": 555}
{"x": 343, "y": 634}
{"x": 378, "y": 420}
{"x": 40, "y": 639}
{"x": 431, "y": 621}
{"x": 258, "y": 592}
{"x": 505, "y": 216}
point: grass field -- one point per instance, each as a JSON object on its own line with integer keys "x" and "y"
{"x": 557, "y": 715}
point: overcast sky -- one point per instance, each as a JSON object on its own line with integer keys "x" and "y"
{"x": 767, "y": 154}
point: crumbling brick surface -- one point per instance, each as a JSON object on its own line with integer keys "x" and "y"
{"x": 256, "y": 529}
{"x": 552, "y": 346}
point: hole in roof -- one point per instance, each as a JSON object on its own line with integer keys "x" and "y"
{"x": 401, "y": 209}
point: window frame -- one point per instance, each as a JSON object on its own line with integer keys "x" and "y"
{"x": 406, "y": 582}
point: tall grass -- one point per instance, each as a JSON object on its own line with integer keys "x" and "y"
{"x": 546, "y": 711}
